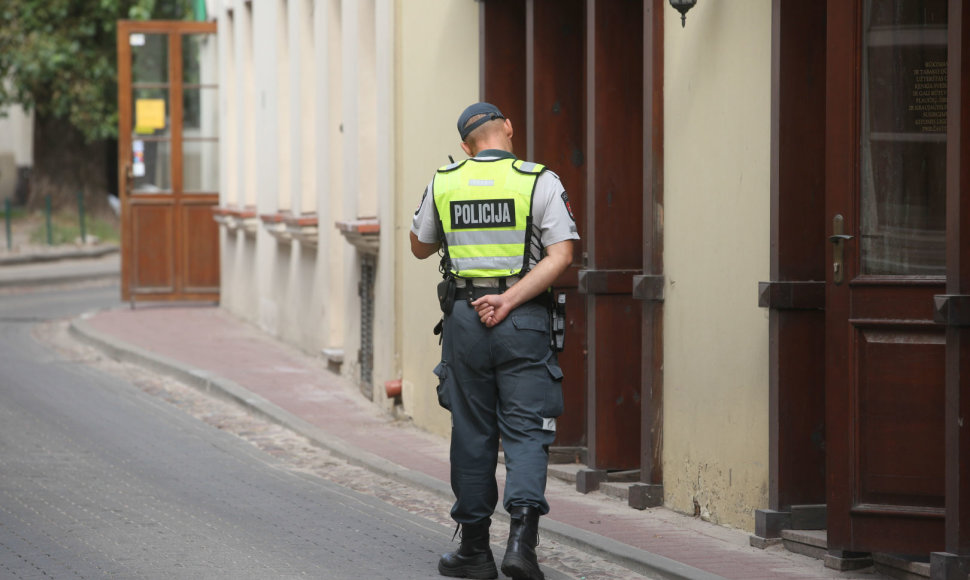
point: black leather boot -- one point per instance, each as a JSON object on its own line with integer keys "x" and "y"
{"x": 520, "y": 561}
{"x": 473, "y": 558}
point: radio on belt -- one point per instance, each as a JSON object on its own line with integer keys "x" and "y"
{"x": 558, "y": 319}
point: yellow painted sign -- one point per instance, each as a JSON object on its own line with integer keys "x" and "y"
{"x": 149, "y": 115}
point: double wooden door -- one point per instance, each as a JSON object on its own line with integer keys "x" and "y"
{"x": 168, "y": 159}
{"x": 885, "y": 214}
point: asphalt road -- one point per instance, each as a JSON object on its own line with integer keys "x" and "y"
{"x": 99, "y": 478}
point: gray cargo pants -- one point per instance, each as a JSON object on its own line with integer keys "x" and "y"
{"x": 497, "y": 381}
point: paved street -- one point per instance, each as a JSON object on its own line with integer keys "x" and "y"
{"x": 99, "y": 479}
{"x": 108, "y": 469}
{"x": 116, "y": 459}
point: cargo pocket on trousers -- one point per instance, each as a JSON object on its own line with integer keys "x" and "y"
{"x": 553, "y": 406}
{"x": 444, "y": 395}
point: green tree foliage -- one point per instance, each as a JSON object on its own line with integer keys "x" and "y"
{"x": 58, "y": 57}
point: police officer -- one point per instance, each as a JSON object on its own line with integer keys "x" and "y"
{"x": 506, "y": 233}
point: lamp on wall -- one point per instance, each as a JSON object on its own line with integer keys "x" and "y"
{"x": 683, "y": 6}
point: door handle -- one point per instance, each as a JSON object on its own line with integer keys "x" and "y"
{"x": 129, "y": 178}
{"x": 838, "y": 239}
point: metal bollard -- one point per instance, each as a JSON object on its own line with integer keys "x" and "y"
{"x": 6, "y": 214}
{"x": 47, "y": 216}
{"x": 80, "y": 212}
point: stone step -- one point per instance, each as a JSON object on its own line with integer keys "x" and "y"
{"x": 902, "y": 567}
{"x": 814, "y": 543}
{"x": 811, "y": 543}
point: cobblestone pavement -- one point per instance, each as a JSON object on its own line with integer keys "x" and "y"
{"x": 301, "y": 456}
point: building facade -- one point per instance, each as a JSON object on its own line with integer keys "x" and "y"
{"x": 765, "y": 314}
{"x": 336, "y": 115}
{"x": 16, "y": 152}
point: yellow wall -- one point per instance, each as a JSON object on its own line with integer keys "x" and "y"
{"x": 437, "y": 71}
{"x": 716, "y": 250}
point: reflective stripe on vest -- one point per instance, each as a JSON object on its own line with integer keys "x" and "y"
{"x": 484, "y": 208}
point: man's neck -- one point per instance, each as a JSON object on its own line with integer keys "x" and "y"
{"x": 494, "y": 152}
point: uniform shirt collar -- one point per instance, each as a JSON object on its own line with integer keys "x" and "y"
{"x": 494, "y": 153}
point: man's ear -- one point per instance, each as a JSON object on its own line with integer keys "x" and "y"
{"x": 508, "y": 129}
{"x": 466, "y": 149}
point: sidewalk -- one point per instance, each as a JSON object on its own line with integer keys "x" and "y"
{"x": 208, "y": 347}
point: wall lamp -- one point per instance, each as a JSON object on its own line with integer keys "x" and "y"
{"x": 683, "y": 6}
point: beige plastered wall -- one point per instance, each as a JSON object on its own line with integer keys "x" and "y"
{"x": 716, "y": 249}
{"x": 275, "y": 99}
{"x": 374, "y": 157}
{"x": 437, "y": 66}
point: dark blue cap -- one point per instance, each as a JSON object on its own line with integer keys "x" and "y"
{"x": 490, "y": 111}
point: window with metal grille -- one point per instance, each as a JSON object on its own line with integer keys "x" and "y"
{"x": 365, "y": 289}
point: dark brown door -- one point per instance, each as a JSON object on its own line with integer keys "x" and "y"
{"x": 614, "y": 231}
{"x": 569, "y": 74}
{"x": 885, "y": 213}
{"x": 168, "y": 159}
{"x": 532, "y": 62}
{"x": 558, "y": 140}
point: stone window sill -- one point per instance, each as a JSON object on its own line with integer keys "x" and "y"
{"x": 234, "y": 218}
{"x": 275, "y": 225}
{"x": 303, "y": 228}
{"x": 286, "y": 227}
{"x": 363, "y": 234}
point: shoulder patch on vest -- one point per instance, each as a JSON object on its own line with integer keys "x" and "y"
{"x": 451, "y": 166}
{"x": 528, "y": 167}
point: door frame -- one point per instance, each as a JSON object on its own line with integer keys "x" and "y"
{"x": 795, "y": 293}
{"x": 953, "y": 308}
{"x": 180, "y": 289}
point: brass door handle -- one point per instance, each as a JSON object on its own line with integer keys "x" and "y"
{"x": 838, "y": 240}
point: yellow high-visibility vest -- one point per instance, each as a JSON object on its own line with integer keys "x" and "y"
{"x": 485, "y": 212}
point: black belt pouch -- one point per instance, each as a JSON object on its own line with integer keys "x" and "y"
{"x": 446, "y": 294}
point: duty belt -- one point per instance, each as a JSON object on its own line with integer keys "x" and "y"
{"x": 472, "y": 294}
{"x": 475, "y": 293}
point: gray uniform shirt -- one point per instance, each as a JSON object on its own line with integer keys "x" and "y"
{"x": 552, "y": 220}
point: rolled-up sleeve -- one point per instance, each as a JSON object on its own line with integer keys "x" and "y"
{"x": 551, "y": 212}
{"x": 423, "y": 224}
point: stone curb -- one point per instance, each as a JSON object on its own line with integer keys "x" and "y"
{"x": 59, "y": 279}
{"x": 640, "y": 561}
{"x": 56, "y": 255}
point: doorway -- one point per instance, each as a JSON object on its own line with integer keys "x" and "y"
{"x": 886, "y": 225}
{"x": 168, "y": 159}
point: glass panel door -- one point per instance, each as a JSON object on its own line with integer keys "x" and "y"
{"x": 903, "y": 173}
{"x": 200, "y": 113}
{"x": 151, "y": 146}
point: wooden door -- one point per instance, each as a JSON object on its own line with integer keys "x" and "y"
{"x": 556, "y": 138}
{"x": 572, "y": 71}
{"x": 532, "y": 69}
{"x": 614, "y": 231}
{"x": 168, "y": 159}
{"x": 885, "y": 213}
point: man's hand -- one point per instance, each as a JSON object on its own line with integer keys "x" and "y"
{"x": 494, "y": 308}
